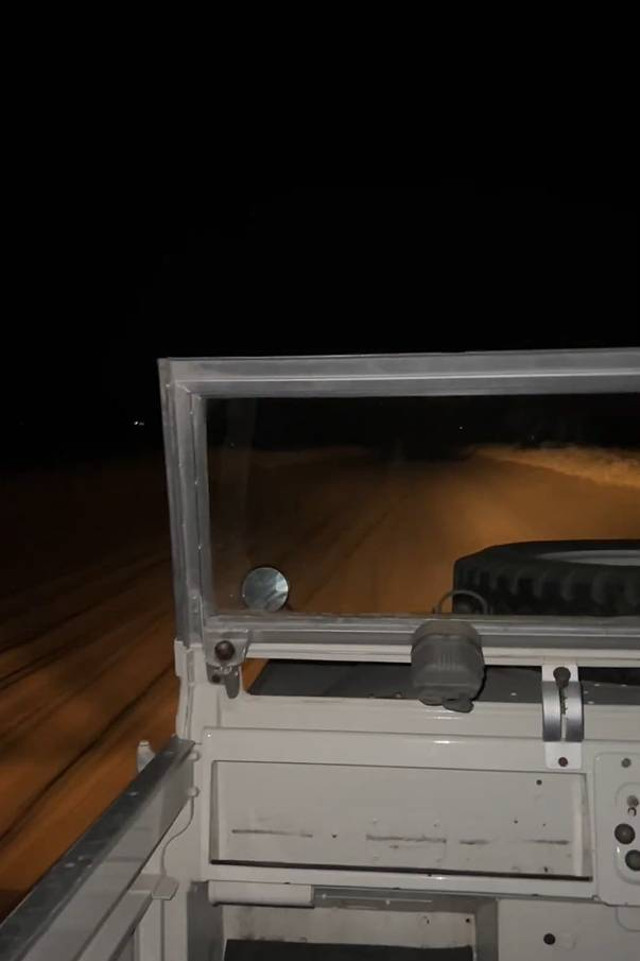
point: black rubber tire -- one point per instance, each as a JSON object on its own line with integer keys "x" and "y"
{"x": 527, "y": 579}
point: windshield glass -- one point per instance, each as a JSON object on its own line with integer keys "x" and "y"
{"x": 365, "y": 505}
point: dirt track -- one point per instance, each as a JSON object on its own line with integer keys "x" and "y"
{"x": 356, "y": 535}
{"x": 86, "y": 605}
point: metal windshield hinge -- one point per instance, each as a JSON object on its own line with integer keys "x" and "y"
{"x": 225, "y": 657}
{"x": 562, "y": 716}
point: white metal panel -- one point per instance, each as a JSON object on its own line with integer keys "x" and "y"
{"x": 493, "y": 720}
{"x": 616, "y": 784}
{"x": 338, "y": 926}
{"x": 479, "y": 821}
{"x": 588, "y": 932}
{"x": 434, "y": 882}
{"x": 376, "y": 748}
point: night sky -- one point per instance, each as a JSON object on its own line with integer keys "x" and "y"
{"x": 115, "y": 272}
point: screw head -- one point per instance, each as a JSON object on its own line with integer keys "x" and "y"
{"x": 562, "y": 676}
{"x": 626, "y": 762}
{"x": 224, "y": 650}
{"x": 562, "y": 761}
{"x": 632, "y": 860}
{"x": 625, "y": 834}
{"x": 549, "y": 938}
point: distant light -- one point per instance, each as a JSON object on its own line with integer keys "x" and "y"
{"x": 460, "y": 428}
{"x": 138, "y": 423}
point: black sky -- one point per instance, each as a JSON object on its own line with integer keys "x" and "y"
{"x": 118, "y": 271}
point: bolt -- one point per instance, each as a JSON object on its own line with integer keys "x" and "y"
{"x": 625, "y": 834}
{"x": 549, "y": 938}
{"x": 224, "y": 650}
{"x": 632, "y": 801}
{"x": 626, "y": 762}
{"x": 562, "y": 676}
{"x": 632, "y": 860}
{"x": 562, "y": 761}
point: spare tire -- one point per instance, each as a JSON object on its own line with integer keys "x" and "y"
{"x": 599, "y": 578}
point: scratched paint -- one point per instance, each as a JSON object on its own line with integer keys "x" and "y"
{"x": 414, "y": 839}
{"x": 274, "y": 834}
{"x": 560, "y": 843}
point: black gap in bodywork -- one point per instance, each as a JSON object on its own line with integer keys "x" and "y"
{"x": 283, "y": 951}
{"x": 503, "y": 685}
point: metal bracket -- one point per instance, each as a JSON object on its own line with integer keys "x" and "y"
{"x": 160, "y": 887}
{"x": 562, "y": 716}
{"x": 225, "y": 657}
{"x": 231, "y": 681}
{"x": 144, "y": 755}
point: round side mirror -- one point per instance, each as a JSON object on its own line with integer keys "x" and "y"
{"x": 265, "y": 589}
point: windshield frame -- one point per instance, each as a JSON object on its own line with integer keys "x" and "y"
{"x": 187, "y": 384}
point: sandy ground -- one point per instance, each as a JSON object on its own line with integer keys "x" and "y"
{"x": 618, "y": 467}
{"x": 86, "y": 604}
{"x": 358, "y": 535}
